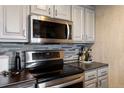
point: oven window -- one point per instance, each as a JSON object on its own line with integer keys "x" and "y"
{"x": 45, "y": 55}
{"x": 50, "y": 30}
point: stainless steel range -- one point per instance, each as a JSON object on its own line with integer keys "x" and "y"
{"x": 50, "y": 71}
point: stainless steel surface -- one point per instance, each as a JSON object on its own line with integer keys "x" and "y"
{"x": 29, "y": 56}
{"x": 44, "y": 18}
{"x": 69, "y": 83}
{"x": 45, "y": 40}
{"x": 68, "y": 32}
{"x": 63, "y": 82}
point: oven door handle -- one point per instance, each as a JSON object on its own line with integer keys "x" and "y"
{"x": 68, "y": 83}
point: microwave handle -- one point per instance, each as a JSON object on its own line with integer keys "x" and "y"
{"x": 68, "y": 31}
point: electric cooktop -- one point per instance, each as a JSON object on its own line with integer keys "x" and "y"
{"x": 67, "y": 70}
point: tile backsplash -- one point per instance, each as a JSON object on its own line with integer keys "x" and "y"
{"x": 10, "y": 49}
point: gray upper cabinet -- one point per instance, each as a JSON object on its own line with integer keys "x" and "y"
{"x": 13, "y": 23}
{"x": 89, "y": 25}
{"x": 62, "y": 12}
{"x": 46, "y": 10}
{"x": 78, "y": 23}
{"x": 83, "y": 24}
{"x": 57, "y": 11}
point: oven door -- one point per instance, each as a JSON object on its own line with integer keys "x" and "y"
{"x": 74, "y": 81}
{"x": 49, "y": 30}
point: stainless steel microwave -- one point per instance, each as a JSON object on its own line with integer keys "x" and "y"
{"x": 50, "y": 30}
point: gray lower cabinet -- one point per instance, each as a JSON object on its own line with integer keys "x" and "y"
{"x": 103, "y": 77}
{"x": 91, "y": 83}
{"x": 90, "y": 80}
{"x": 96, "y": 78}
{"x": 103, "y": 82}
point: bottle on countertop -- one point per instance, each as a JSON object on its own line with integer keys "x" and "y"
{"x": 87, "y": 55}
{"x": 17, "y": 62}
{"x": 80, "y": 54}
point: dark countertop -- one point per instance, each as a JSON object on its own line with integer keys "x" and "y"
{"x": 67, "y": 71}
{"x": 89, "y": 66}
{"x": 25, "y": 76}
{"x": 15, "y": 80}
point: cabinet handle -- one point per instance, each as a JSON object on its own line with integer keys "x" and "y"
{"x": 100, "y": 83}
{"x": 24, "y": 33}
{"x": 5, "y": 29}
{"x": 92, "y": 83}
{"x": 91, "y": 76}
{"x": 56, "y": 12}
{"x": 86, "y": 36}
{"x": 96, "y": 84}
{"x": 104, "y": 72}
{"x": 49, "y": 11}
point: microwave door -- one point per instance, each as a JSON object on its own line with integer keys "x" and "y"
{"x": 49, "y": 31}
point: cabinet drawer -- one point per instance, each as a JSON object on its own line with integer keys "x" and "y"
{"x": 102, "y": 71}
{"x": 91, "y": 74}
{"x": 90, "y": 83}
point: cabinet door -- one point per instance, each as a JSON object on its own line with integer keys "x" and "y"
{"x": 62, "y": 12}
{"x": 46, "y": 10}
{"x": 13, "y": 23}
{"x": 78, "y": 23}
{"x": 89, "y": 25}
{"x": 103, "y": 82}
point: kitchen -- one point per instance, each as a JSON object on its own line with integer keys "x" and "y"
{"x": 79, "y": 55}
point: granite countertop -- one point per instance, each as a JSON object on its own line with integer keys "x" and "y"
{"x": 25, "y": 77}
{"x": 16, "y": 79}
{"x": 89, "y": 66}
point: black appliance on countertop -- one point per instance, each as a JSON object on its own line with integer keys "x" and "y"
{"x": 50, "y": 71}
{"x": 17, "y": 65}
